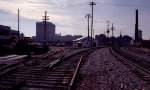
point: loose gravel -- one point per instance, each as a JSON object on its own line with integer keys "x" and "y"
{"x": 102, "y": 71}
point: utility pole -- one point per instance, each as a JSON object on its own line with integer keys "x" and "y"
{"x": 104, "y": 32}
{"x": 18, "y": 23}
{"x": 88, "y": 16}
{"x": 45, "y": 18}
{"x": 112, "y": 38}
{"x": 93, "y": 32}
{"x": 91, "y": 4}
{"x": 120, "y": 33}
{"x": 112, "y": 28}
{"x": 107, "y": 28}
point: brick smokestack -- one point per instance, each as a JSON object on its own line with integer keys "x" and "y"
{"x": 136, "y": 27}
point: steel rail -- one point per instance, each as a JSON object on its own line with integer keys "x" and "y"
{"x": 76, "y": 71}
{"x": 128, "y": 61}
{"x": 24, "y": 80}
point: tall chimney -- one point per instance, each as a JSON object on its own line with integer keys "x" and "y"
{"x": 136, "y": 27}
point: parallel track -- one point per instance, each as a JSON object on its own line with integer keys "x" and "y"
{"x": 137, "y": 51}
{"x": 142, "y": 66}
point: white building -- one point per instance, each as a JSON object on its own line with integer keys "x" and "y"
{"x": 67, "y": 38}
{"x": 84, "y": 42}
{"x": 49, "y": 33}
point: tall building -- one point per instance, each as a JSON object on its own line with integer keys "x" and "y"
{"x": 49, "y": 33}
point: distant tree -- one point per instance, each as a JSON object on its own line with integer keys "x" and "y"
{"x": 12, "y": 38}
{"x": 22, "y": 35}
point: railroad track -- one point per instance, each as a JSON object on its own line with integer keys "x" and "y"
{"x": 11, "y": 58}
{"x": 50, "y": 53}
{"x": 135, "y": 55}
{"x": 8, "y": 68}
{"x": 138, "y": 66}
{"x": 44, "y": 55}
{"x": 59, "y": 74}
{"x": 146, "y": 54}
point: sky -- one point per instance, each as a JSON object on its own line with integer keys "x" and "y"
{"x": 69, "y": 15}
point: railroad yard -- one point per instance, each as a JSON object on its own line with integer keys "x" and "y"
{"x": 68, "y": 68}
{"x": 74, "y": 45}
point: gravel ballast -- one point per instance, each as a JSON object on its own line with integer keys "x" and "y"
{"x": 102, "y": 71}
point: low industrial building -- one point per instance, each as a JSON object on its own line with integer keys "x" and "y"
{"x": 101, "y": 39}
{"x": 140, "y": 35}
{"x": 8, "y": 37}
{"x": 6, "y": 32}
{"x": 84, "y": 42}
{"x": 66, "y": 40}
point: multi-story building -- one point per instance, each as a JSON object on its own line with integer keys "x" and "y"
{"x": 49, "y": 33}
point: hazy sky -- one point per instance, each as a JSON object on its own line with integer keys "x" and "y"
{"x": 69, "y": 15}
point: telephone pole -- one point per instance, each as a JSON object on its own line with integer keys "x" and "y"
{"x": 18, "y": 23}
{"x": 91, "y": 4}
{"x": 112, "y": 28}
{"x": 45, "y": 18}
{"x": 112, "y": 38}
{"x": 104, "y": 32}
{"x": 88, "y": 16}
{"x": 107, "y": 28}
